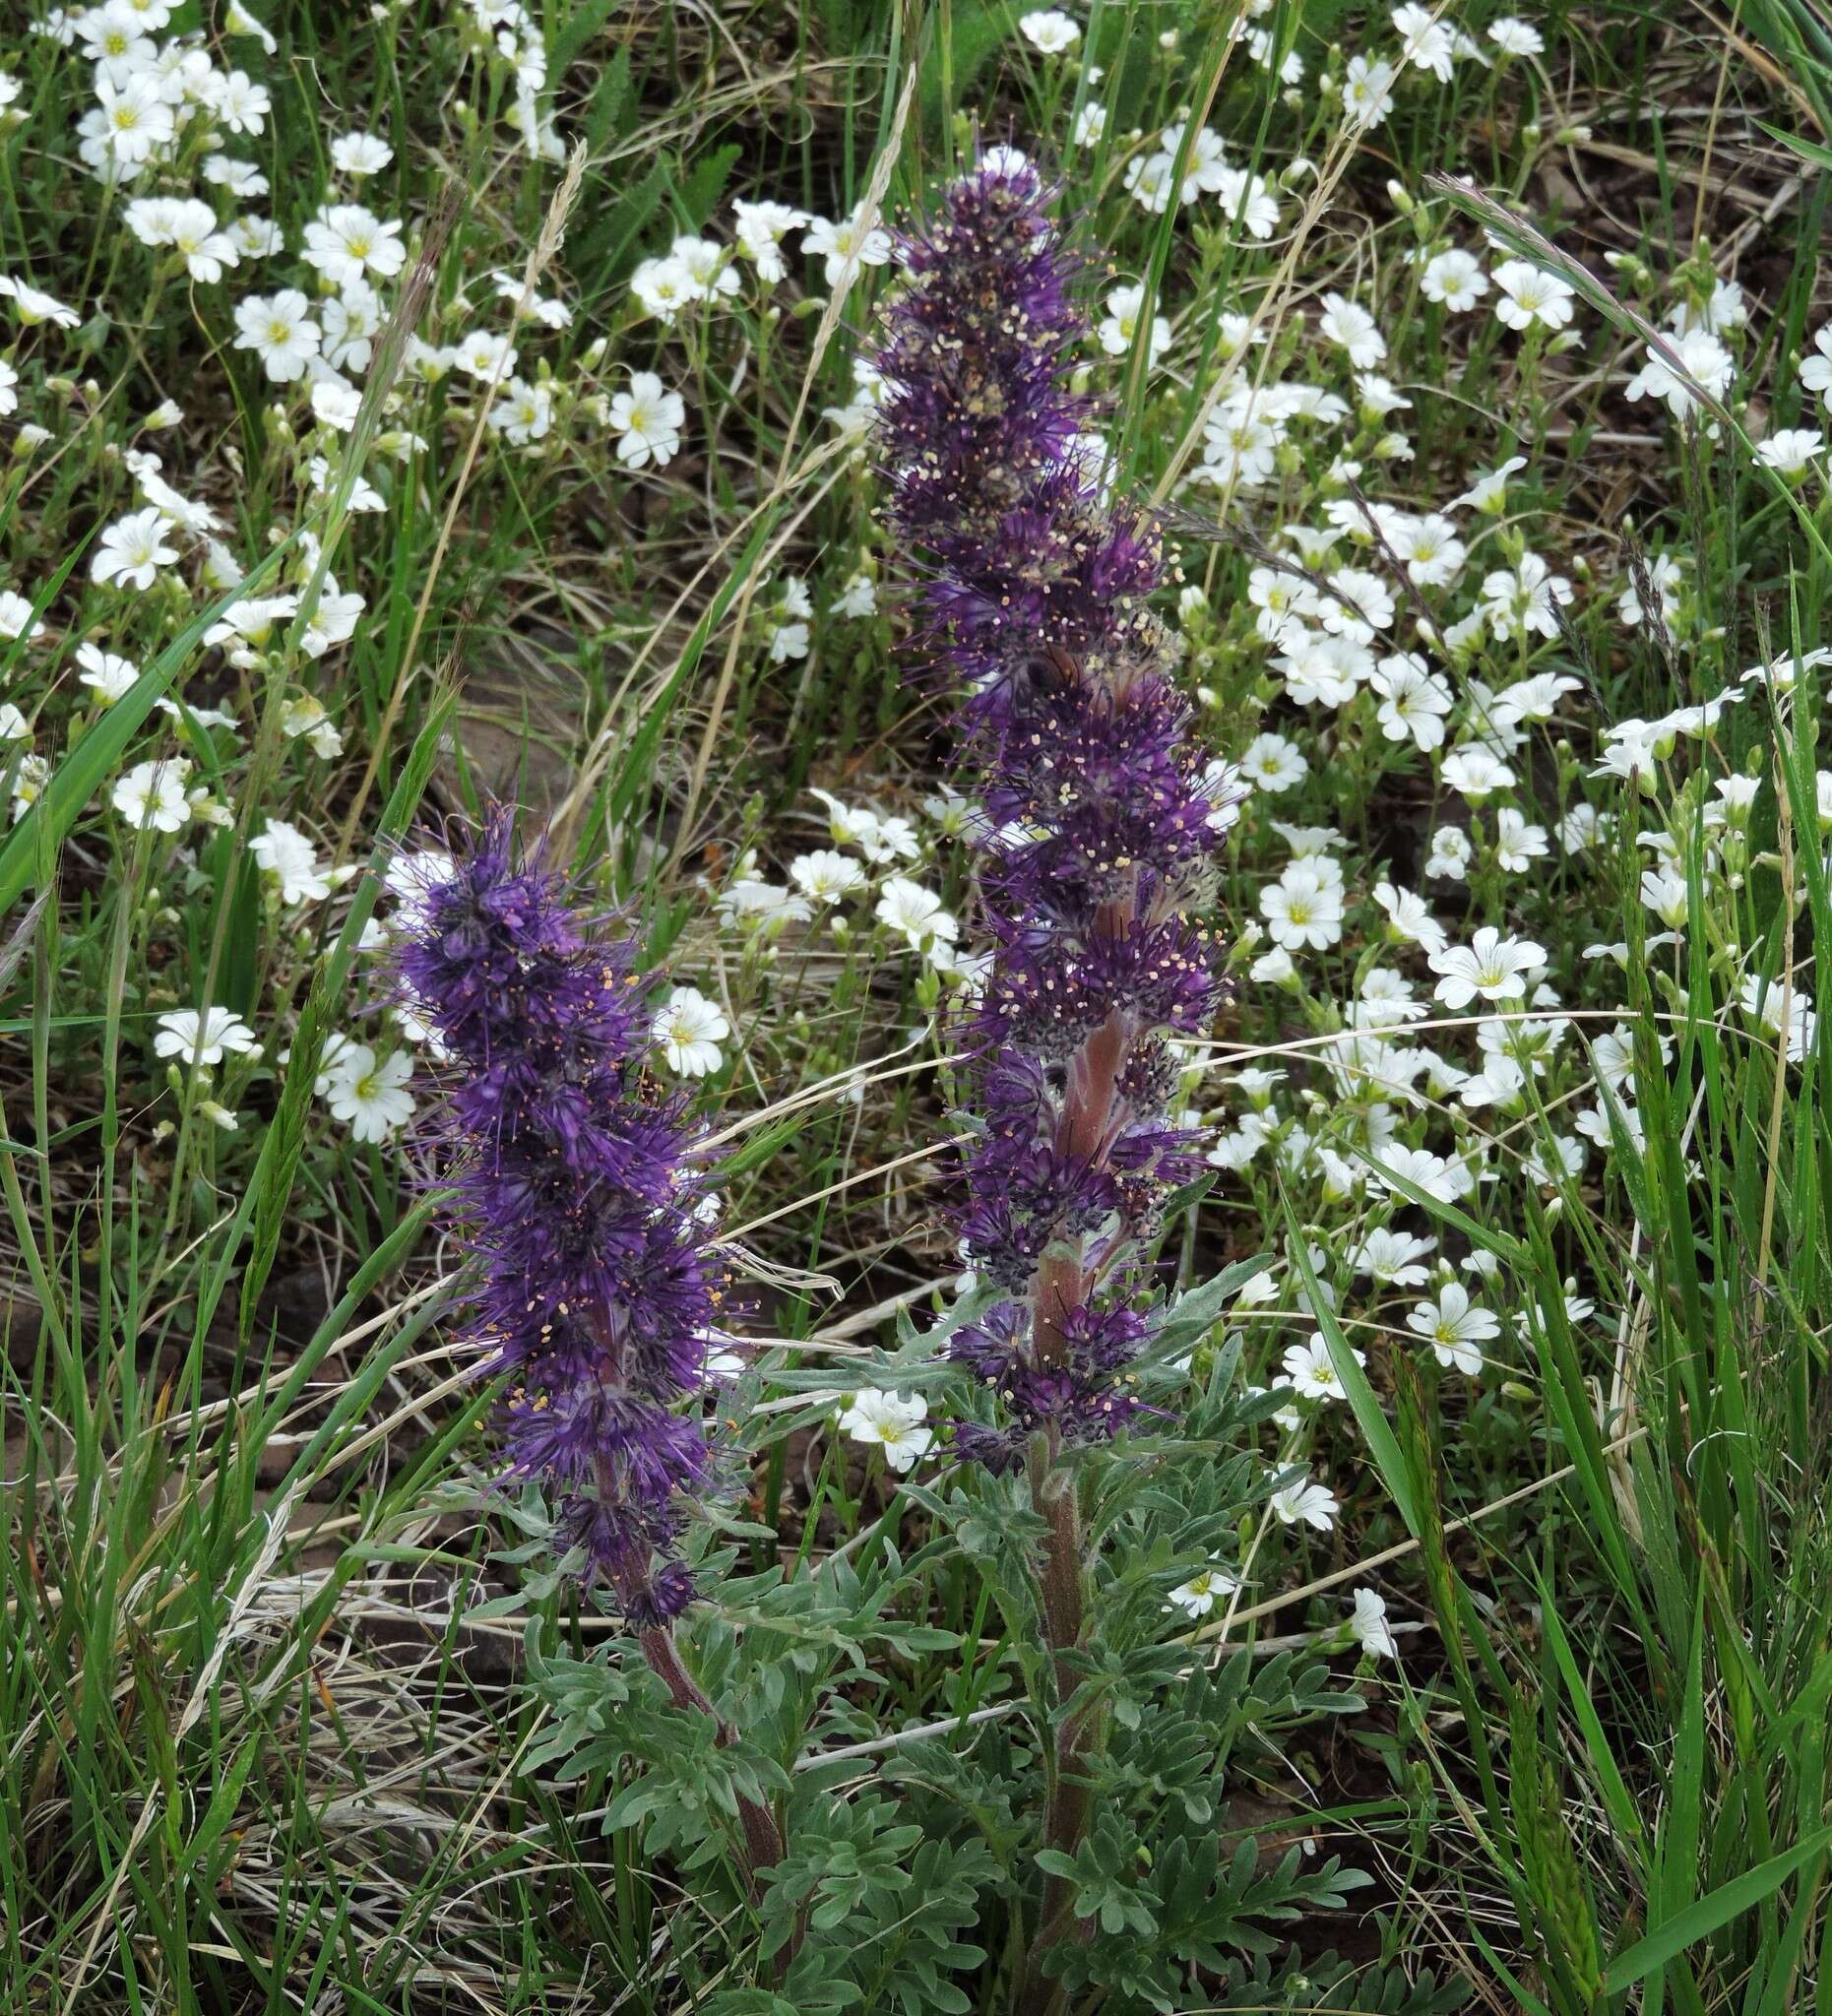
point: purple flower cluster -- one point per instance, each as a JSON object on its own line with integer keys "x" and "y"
{"x": 1101, "y": 809}
{"x": 577, "y": 1182}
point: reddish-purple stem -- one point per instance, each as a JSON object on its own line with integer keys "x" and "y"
{"x": 1062, "y": 1284}
{"x": 763, "y": 1839}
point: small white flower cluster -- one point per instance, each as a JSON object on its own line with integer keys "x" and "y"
{"x": 510, "y": 42}
{"x": 1248, "y": 201}
{"x": 866, "y": 859}
{"x": 176, "y": 132}
{"x": 701, "y": 274}
{"x": 1395, "y": 1121}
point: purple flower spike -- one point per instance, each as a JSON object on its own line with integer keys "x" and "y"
{"x": 1103, "y": 813}
{"x": 581, "y": 1192}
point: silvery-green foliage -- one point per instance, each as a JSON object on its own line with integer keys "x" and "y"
{"x": 915, "y": 1856}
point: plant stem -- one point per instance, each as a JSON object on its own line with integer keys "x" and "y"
{"x": 1061, "y": 1286}
{"x": 763, "y": 1838}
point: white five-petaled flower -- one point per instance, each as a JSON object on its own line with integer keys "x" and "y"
{"x": 33, "y": 308}
{"x": 1455, "y": 279}
{"x": 846, "y": 245}
{"x": 1430, "y": 548}
{"x": 372, "y": 1097}
{"x": 348, "y": 243}
{"x": 859, "y": 596}
{"x": 1409, "y": 917}
{"x": 1513, "y": 36}
{"x": 153, "y": 795}
{"x": 787, "y": 640}
{"x": 1488, "y": 492}
{"x": 1816, "y": 370}
{"x": 690, "y": 1030}
{"x": 916, "y": 914}
{"x": 1764, "y": 1001}
{"x": 1791, "y": 450}
{"x": 1350, "y": 326}
{"x": 1394, "y": 1257}
{"x": 1272, "y": 763}
{"x": 1208, "y": 1586}
{"x": 1491, "y": 966}
{"x": 826, "y": 875}
{"x": 411, "y": 878}
{"x": 286, "y": 852}
{"x": 136, "y": 118}
{"x": 1369, "y": 1625}
{"x": 879, "y": 835}
{"x": 1451, "y": 855}
{"x": 647, "y": 419}
{"x": 190, "y": 227}
{"x": 1442, "y": 1177}
{"x": 760, "y": 229}
{"x": 31, "y": 774}
{"x": 1119, "y": 329}
{"x": 1305, "y": 1502}
{"x": 332, "y": 621}
{"x": 359, "y": 153}
{"x": 1366, "y": 91}
{"x": 335, "y": 404}
{"x": 1304, "y": 907}
{"x": 1524, "y": 599}
{"x": 115, "y": 39}
{"x": 1311, "y": 1372}
{"x": 279, "y": 330}
{"x": 1474, "y": 771}
{"x": 485, "y": 354}
{"x": 243, "y": 180}
{"x": 524, "y": 413}
{"x": 1413, "y": 701}
{"x": 133, "y": 549}
{"x": 1684, "y": 370}
{"x": 1050, "y": 30}
{"x": 893, "y": 1421}
{"x": 1455, "y": 1327}
{"x": 1426, "y": 43}
{"x": 762, "y": 907}
{"x": 708, "y": 266}
{"x": 17, "y": 619}
{"x": 547, "y": 309}
{"x": 663, "y": 288}
{"x": 187, "y": 1034}
{"x": 1531, "y": 296}
{"x": 240, "y": 103}
{"x": 1518, "y": 844}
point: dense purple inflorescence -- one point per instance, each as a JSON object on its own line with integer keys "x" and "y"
{"x": 578, "y": 1183}
{"x": 1101, "y": 809}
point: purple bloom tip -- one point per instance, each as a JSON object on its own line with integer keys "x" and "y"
{"x": 1105, "y": 814}
{"x": 581, "y": 1190}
